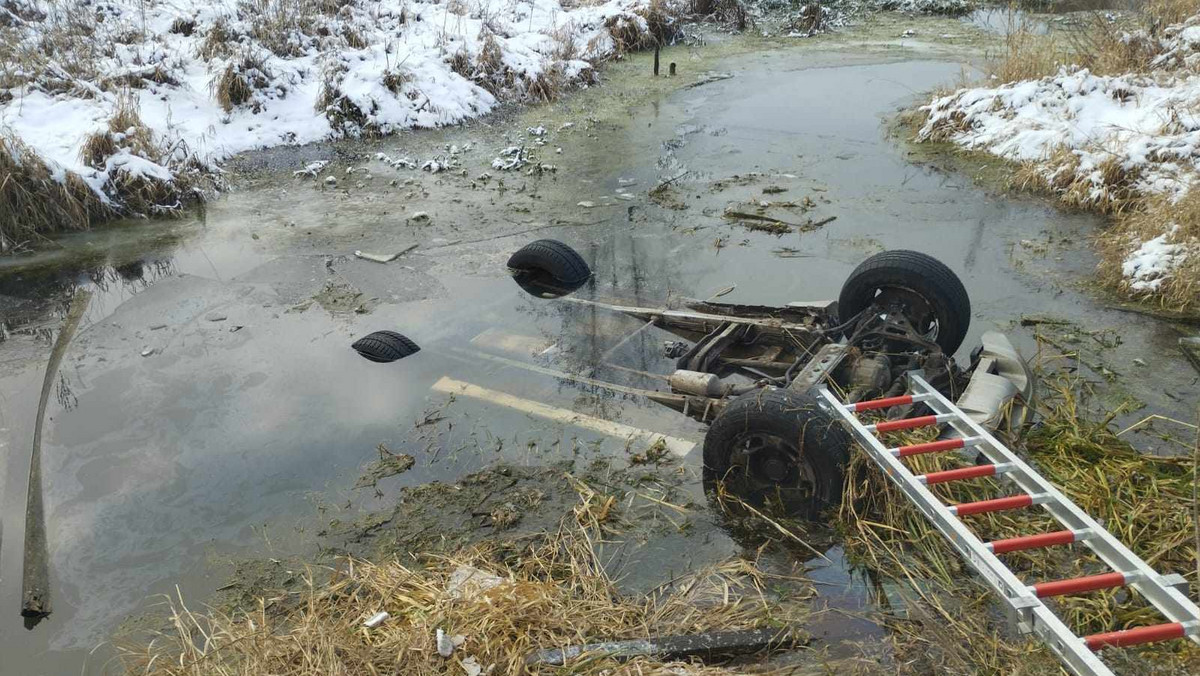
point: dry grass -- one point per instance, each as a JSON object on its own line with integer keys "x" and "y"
{"x": 345, "y": 116}
{"x": 1027, "y": 55}
{"x": 548, "y": 85}
{"x": 33, "y": 203}
{"x": 236, "y": 84}
{"x": 219, "y": 41}
{"x": 36, "y": 201}
{"x": 282, "y": 25}
{"x": 549, "y": 592}
{"x": 489, "y": 70}
{"x": 1163, "y": 13}
{"x": 1141, "y": 499}
{"x": 1108, "y": 187}
{"x": 1180, "y": 291}
{"x": 1093, "y": 41}
{"x": 132, "y": 193}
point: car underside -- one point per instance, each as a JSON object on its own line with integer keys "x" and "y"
{"x": 750, "y": 372}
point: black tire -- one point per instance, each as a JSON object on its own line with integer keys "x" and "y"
{"x": 553, "y": 258}
{"x": 385, "y": 346}
{"x": 919, "y": 274}
{"x": 800, "y": 452}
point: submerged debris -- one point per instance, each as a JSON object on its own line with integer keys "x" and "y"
{"x": 389, "y": 464}
{"x": 398, "y": 162}
{"x": 513, "y": 157}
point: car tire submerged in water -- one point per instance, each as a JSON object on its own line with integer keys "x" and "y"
{"x": 385, "y": 346}
{"x": 779, "y": 447}
{"x": 902, "y": 272}
{"x": 547, "y": 267}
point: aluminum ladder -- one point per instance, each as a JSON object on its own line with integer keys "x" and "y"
{"x": 1024, "y": 602}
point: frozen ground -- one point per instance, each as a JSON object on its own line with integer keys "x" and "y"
{"x": 1100, "y": 140}
{"x": 208, "y": 80}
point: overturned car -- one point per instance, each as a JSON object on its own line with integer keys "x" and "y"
{"x": 751, "y": 371}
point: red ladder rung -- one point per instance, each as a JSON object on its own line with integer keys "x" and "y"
{"x": 1017, "y": 544}
{"x": 881, "y": 403}
{"x": 1136, "y": 636}
{"x": 956, "y": 474}
{"x": 906, "y": 423}
{"x": 930, "y": 447}
{"x": 994, "y": 505}
{"x": 1077, "y": 585}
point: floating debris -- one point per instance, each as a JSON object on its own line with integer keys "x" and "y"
{"x": 513, "y": 157}
{"x": 397, "y": 163}
{"x": 312, "y": 169}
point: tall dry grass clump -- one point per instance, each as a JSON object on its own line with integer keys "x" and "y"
{"x": 132, "y": 190}
{"x": 33, "y": 202}
{"x": 506, "y": 601}
{"x": 1108, "y": 187}
{"x": 235, "y": 85}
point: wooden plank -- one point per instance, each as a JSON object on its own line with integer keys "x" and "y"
{"x": 707, "y": 646}
{"x": 677, "y": 446}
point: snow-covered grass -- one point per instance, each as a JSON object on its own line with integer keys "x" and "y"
{"x": 125, "y": 93}
{"x": 1114, "y": 127}
{"x": 947, "y": 7}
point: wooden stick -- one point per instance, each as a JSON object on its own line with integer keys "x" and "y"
{"x": 35, "y": 580}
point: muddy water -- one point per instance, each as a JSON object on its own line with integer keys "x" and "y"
{"x": 210, "y": 409}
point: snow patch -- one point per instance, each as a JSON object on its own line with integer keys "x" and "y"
{"x": 1152, "y": 263}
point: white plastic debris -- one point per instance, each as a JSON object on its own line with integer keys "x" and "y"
{"x": 586, "y": 204}
{"x": 376, "y": 619}
{"x": 378, "y": 258}
{"x": 445, "y": 646}
{"x": 331, "y": 181}
{"x": 467, "y": 581}
{"x": 420, "y": 216}
{"x": 471, "y": 666}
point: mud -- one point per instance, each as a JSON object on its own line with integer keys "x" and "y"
{"x": 243, "y": 439}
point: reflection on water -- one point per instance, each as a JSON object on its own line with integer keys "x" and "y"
{"x": 1007, "y": 21}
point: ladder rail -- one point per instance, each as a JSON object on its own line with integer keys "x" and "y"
{"x": 1023, "y": 604}
{"x": 1162, "y": 591}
